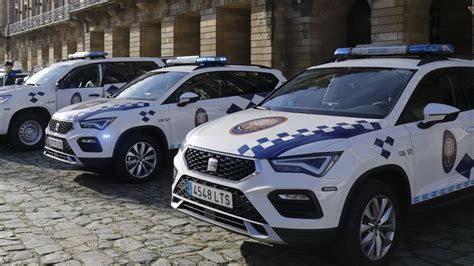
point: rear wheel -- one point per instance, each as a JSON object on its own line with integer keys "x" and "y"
{"x": 372, "y": 228}
{"x": 139, "y": 159}
{"x": 27, "y": 131}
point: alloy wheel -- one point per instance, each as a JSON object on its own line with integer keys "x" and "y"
{"x": 141, "y": 160}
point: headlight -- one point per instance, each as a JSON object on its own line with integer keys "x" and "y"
{"x": 100, "y": 123}
{"x": 314, "y": 164}
{"x": 4, "y": 98}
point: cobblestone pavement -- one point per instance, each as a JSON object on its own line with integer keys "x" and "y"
{"x": 52, "y": 213}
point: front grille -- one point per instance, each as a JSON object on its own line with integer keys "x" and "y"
{"x": 242, "y": 206}
{"x": 66, "y": 148}
{"x": 229, "y": 167}
{"x": 60, "y": 127}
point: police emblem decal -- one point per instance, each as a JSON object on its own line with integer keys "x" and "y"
{"x": 257, "y": 125}
{"x": 212, "y": 165}
{"x": 449, "y": 151}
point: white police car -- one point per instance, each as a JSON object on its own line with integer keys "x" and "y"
{"x": 25, "y": 110}
{"x": 337, "y": 153}
{"x": 153, "y": 114}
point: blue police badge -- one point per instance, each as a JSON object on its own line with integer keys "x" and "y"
{"x": 257, "y": 125}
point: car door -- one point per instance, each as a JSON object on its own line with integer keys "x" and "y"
{"x": 439, "y": 149}
{"x": 209, "y": 87}
{"x": 81, "y": 84}
{"x": 465, "y": 77}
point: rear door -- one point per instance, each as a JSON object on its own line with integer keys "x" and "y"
{"x": 81, "y": 84}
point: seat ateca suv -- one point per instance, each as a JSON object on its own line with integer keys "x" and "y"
{"x": 133, "y": 131}
{"x": 25, "y": 110}
{"x": 340, "y": 152}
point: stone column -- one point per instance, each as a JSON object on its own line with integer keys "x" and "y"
{"x": 93, "y": 41}
{"x": 209, "y": 39}
{"x": 55, "y": 52}
{"x": 68, "y": 47}
{"x": 261, "y": 35}
{"x": 32, "y": 57}
{"x": 145, "y": 39}
{"x": 117, "y": 41}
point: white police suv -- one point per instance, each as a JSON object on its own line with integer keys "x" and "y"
{"x": 25, "y": 110}
{"x": 337, "y": 153}
{"x": 150, "y": 116}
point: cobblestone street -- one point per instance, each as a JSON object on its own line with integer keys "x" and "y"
{"x": 51, "y": 213}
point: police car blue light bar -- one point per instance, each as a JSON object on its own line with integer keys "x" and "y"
{"x": 415, "y": 49}
{"x": 83, "y": 55}
{"x": 190, "y": 60}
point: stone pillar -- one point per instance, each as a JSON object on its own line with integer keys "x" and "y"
{"x": 180, "y": 35}
{"x": 400, "y": 22}
{"x": 261, "y": 35}
{"x": 117, "y": 41}
{"x": 55, "y": 52}
{"x": 32, "y": 57}
{"x": 43, "y": 55}
{"x": 68, "y": 47}
{"x": 209, "y": 40}
{"x": 145, "y": 39}
{"x": 93, "y": 41}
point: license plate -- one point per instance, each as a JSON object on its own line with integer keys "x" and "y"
{"x": 55, "y": 143}
{"x": 210, "y": 194}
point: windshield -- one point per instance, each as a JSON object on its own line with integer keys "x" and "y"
{"x": 149, "y": 86}
{"x": 47, "y": 75}
{"x": 353, "y": 92}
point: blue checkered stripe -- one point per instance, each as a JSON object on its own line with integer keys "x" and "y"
{"x": 465, "y": 166}
{"x": 245, "y": 102}
{"x": 269, "y": 147}
{"x": 385, "y": 146}
{"x": 443, "y": 191}
{"x": 35, "y": 95}
{"x": 146, "y": 115}
{"x": 113, "y": 108}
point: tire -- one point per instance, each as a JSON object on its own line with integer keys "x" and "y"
{"x": 130, "y": 151}
{"x": 357, "y": 229}
{"x": 27, "y": 131}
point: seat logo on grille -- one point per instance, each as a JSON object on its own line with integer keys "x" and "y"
{"x": 212, "y": 164}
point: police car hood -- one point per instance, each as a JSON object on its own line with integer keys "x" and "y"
{"x": 98, "y": 108}
{"x": 269, "y": 134}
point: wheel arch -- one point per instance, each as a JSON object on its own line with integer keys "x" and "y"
{"x": 152, "y": 131}
{"x": 37, "y": 110}
{"x": 393, "y": 175}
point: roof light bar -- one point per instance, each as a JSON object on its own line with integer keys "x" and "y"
{"x": 191, "y": 60}
{"x": 415, "y": 49}
{"x": 83, "y": 55}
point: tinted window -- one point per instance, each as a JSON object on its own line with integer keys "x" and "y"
{"x": 239, "y": 82}
{"x": 84, "y": 77}
{"x": 354, "y": 92}
{"x": 435, "y": 87}
{"x": 208, "y": 86}
{"x": 123, "y": 72}
{"x": 466, "y": 78}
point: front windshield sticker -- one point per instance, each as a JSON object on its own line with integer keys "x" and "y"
{"x": 257, "y": 125}
{"x": 112, "y": 108}
{"x": 272, "y": 147}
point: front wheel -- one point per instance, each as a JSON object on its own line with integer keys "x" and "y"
{"x": 27, "y": 131}
{"x": 139, "y": 159}
{"x": 372, "y": 228}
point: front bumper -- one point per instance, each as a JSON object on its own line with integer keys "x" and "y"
{"x": 254, "y": 214}
{"x": 72, "y": 152}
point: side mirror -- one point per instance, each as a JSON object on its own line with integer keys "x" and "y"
{"x": 61, "y": 84}
{"x": 19, "y": 81}
{"x": 187, "y": 98}
{"x": 435, "y": 113}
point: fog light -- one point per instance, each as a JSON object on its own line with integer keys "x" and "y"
{"x": 88, "y": 140}
{"x": 293, "y": 197}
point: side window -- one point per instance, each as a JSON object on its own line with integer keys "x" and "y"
{"x": 83, "y": 77}
{"x": 435, "y": 87}
{"x": 467, "y": 79}
{"x": 141, "y": 68}
{"x": 116, "y": 72}
{"x": 208, "y": 86}
{"x": 240, "y": 82}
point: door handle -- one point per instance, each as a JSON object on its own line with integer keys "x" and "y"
{"x": 470, "y": 130}
{"x": 94, "y": 95}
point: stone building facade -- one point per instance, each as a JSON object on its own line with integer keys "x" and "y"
{"x": 286, "y": 34}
